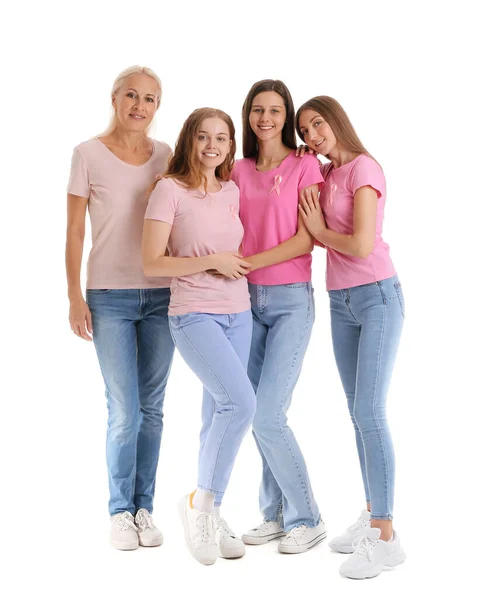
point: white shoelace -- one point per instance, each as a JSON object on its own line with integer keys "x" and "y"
{"x": 123, "y": 522}
{"x": 205, "y": 524}
{"x": 358, "y": 525}
{"x": 364, "y": 545}
{"x": 144, "y": 520}
{"x": 297, "y": 532}
{"x": 221, "y": 523}
{"x": 265, "y": 525}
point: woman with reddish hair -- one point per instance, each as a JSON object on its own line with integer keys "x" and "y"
{"x": 194, "y": 213}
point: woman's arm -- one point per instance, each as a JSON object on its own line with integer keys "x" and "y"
{"x": 79, "y": 313}
{"x": 156, "y": 264}
{"x": 361, "y": 242}
{"x": 300, "y": 243}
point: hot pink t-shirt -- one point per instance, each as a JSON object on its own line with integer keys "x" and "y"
{"x": 269, "y": 213}
{"x": 337, "y": 201}
{"x": 201, "y": 226}
{"x": 116, "y": 203}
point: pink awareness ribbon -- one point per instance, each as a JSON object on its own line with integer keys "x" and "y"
{"x": 277, "y": 180}
{"x": 333, "y": 190}
{"x": 233, "y": 210}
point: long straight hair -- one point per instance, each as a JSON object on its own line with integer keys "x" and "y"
{"x": 332, "y": 112}
{"x": 184, "y": 165}
{"x": 119, "y": 81}
{"x": 249, "y": 140}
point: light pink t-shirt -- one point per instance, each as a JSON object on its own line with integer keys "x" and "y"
{"x": 269, "y": 213}
{"x": 116, "y": 203}
{"x": 337, "y": 201}
{"x": 201, "y": 226}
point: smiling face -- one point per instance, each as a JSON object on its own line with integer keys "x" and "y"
{"x": 136, "y": 102}
{"x": 316, "y": 132}
{"x": 268, "y": 115}
{"x": 212, "y": 143}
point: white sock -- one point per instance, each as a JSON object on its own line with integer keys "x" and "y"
{"x": 217, "y": 511}
{"x": 203, "y": 501}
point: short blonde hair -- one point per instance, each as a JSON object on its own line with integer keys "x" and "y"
{"x": 134, "y": 70}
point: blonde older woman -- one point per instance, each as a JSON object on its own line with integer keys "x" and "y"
{"x": 125, "y": 311}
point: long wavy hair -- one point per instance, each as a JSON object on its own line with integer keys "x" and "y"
{"x": 184, "y": 165}
{"x": 249, "y": 140}
{"x": 332, "y": 112}
{"x": 121, "y": 77}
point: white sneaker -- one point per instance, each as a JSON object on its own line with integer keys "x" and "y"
{"x": 343, "y": 543}
{"x": 149, "y": 534}
{"x": 230, "y": 546}
{"x": 267, "y": 531}
{"x": 200, "y": 532}
{"x": 123, "y": 534}
{"x": 372, "y": 555}
{"x": 302, "y": 538}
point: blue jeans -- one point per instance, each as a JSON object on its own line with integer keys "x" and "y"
{"x": 135, "y": 351}
{"x": 216, "y": 348}
{"x": 283, "y": 317}
{"x": 367, "y": 322}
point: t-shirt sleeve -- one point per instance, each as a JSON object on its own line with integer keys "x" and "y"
{"x": 309, "y": 172}
{"x": 162, "y": 203}
{"x": 368, "y": 172}
{"x": 79, "y": 181}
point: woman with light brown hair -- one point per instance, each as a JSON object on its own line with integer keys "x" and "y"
{"x": 194, "y": 212}
{"x": 125, "y": 311}
{"x": 367, "y": 312}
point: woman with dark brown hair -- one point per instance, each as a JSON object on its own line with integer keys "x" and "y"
{"x": 277, "y": 244}
{"x": 194, "y": 212}
{"x": 367, "y": 312}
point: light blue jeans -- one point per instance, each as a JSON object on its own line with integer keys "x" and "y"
{"x": 367, "y": 322}
{"x": 216, "y": 348}
{"x": 283, "y": 316}
{"x": 135, "y": 351}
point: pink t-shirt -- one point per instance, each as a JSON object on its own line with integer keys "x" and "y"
{"x": 269, "y": 213}
{"x": 201, "y": 226}
{"x": 337, "y": 201}
{"x": 116, "y": 203}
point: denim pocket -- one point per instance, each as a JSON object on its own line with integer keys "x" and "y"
{"x": 99, "y": 291}
{"x": 401, "y": 300}
{"x": 388, "y": 288}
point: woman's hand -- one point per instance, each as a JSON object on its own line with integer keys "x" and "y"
{"x": 80, "y": 319}
{"x": 229, "y": 264}
{"x": 302, "y": 150}
{"x": 311, "y": 212}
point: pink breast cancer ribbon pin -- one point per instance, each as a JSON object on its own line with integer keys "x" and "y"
{"x": 333, "y": 190}
{"x": 233, "y": 210}
{"x": 277, "y": 180}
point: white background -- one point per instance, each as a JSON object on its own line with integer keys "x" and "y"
{"x": 411, "y": 77}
